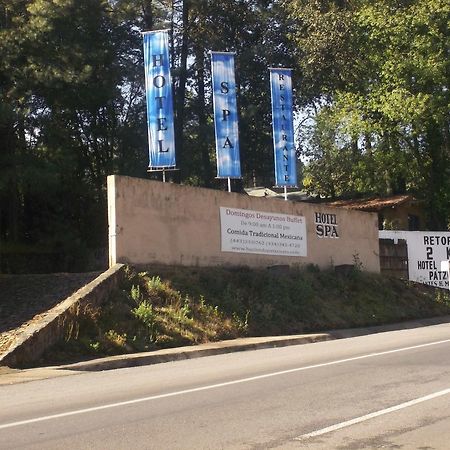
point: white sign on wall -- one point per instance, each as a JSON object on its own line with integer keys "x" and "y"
{"x": 246, "y": 231}
{"x": 426, "y": 250}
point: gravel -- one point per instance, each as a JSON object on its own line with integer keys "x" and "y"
{"x": 25, "y": 298}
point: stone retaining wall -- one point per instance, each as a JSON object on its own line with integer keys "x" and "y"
{"x": 58, "y": 321}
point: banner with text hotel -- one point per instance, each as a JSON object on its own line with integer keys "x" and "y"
{"x": 283, "y": 127}
{"x": 225, "y": 115}
{"x": 158, "y": 87}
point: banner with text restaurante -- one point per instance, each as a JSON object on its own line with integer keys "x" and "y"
{"x": 158, "y": 88}
{"x": 283, "y": 127}
{"x": 225, "y": 115}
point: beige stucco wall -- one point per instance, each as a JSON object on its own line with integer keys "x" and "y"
{"x": 154, "y": 222}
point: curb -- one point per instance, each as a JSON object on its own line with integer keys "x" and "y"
{"x": 198, "y": 351}
{"x": 238, "y": 345}
{"x": 12, "y": 376}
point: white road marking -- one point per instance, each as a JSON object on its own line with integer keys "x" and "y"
{"x": 348, "y": 423}
{"x": 212, "y": 386}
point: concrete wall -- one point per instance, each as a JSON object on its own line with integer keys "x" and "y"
{"x": 154, "y": 222}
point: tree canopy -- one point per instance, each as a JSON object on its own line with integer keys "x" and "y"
{"x": 378, "y": 72}
{"x": 373, "y": 76}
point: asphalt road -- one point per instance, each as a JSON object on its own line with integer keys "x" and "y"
{"x": 389, "y": 390}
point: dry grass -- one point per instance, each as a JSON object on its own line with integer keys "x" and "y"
{"x": 173, "y": 306}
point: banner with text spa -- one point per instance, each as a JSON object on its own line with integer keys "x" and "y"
{"x": 283, "y": 127}
{"x": 158, "y": 89}
{"x": 225, "y": 115}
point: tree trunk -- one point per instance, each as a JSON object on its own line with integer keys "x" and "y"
{"x": 437, "y": 180}
{"x": 202, "y": 132}
{"x": 10, "y": 197}
{"x": 180, "y": 94}
{"x": 147, "y": 15}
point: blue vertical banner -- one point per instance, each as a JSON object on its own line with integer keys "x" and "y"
{"x": 158, "y": 89}
{"x": 283, "y": 127}
{"x": 225, "y": 115}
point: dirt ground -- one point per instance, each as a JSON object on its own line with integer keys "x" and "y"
{"x": 23, "y": 298}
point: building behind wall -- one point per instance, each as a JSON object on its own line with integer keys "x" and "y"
{"x": 399, "y": 212}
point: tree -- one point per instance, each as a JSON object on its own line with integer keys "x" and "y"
{"x": 389, "y": 94}
{"x": 256, "y": 30}
{"x": 68, "y": 101}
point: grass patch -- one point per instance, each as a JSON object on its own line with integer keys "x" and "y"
{"x": 174, "y": 306}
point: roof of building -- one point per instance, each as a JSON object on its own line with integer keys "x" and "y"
{"x": 374, "y": 204}
{"x": 260, "y": 192}
{"x": 296, "y": 196}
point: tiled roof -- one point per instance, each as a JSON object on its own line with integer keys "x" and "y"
{"x": 373, "y": 204}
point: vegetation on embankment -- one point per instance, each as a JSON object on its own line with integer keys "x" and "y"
{"x": 174, "y": 306}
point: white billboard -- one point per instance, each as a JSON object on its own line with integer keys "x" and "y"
{"x": 265, "y": 233}
{"x": 426, "y": 251}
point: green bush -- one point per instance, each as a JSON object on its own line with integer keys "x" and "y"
{"x": 173, "y": 306}
{"x": 147, "y": 316}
